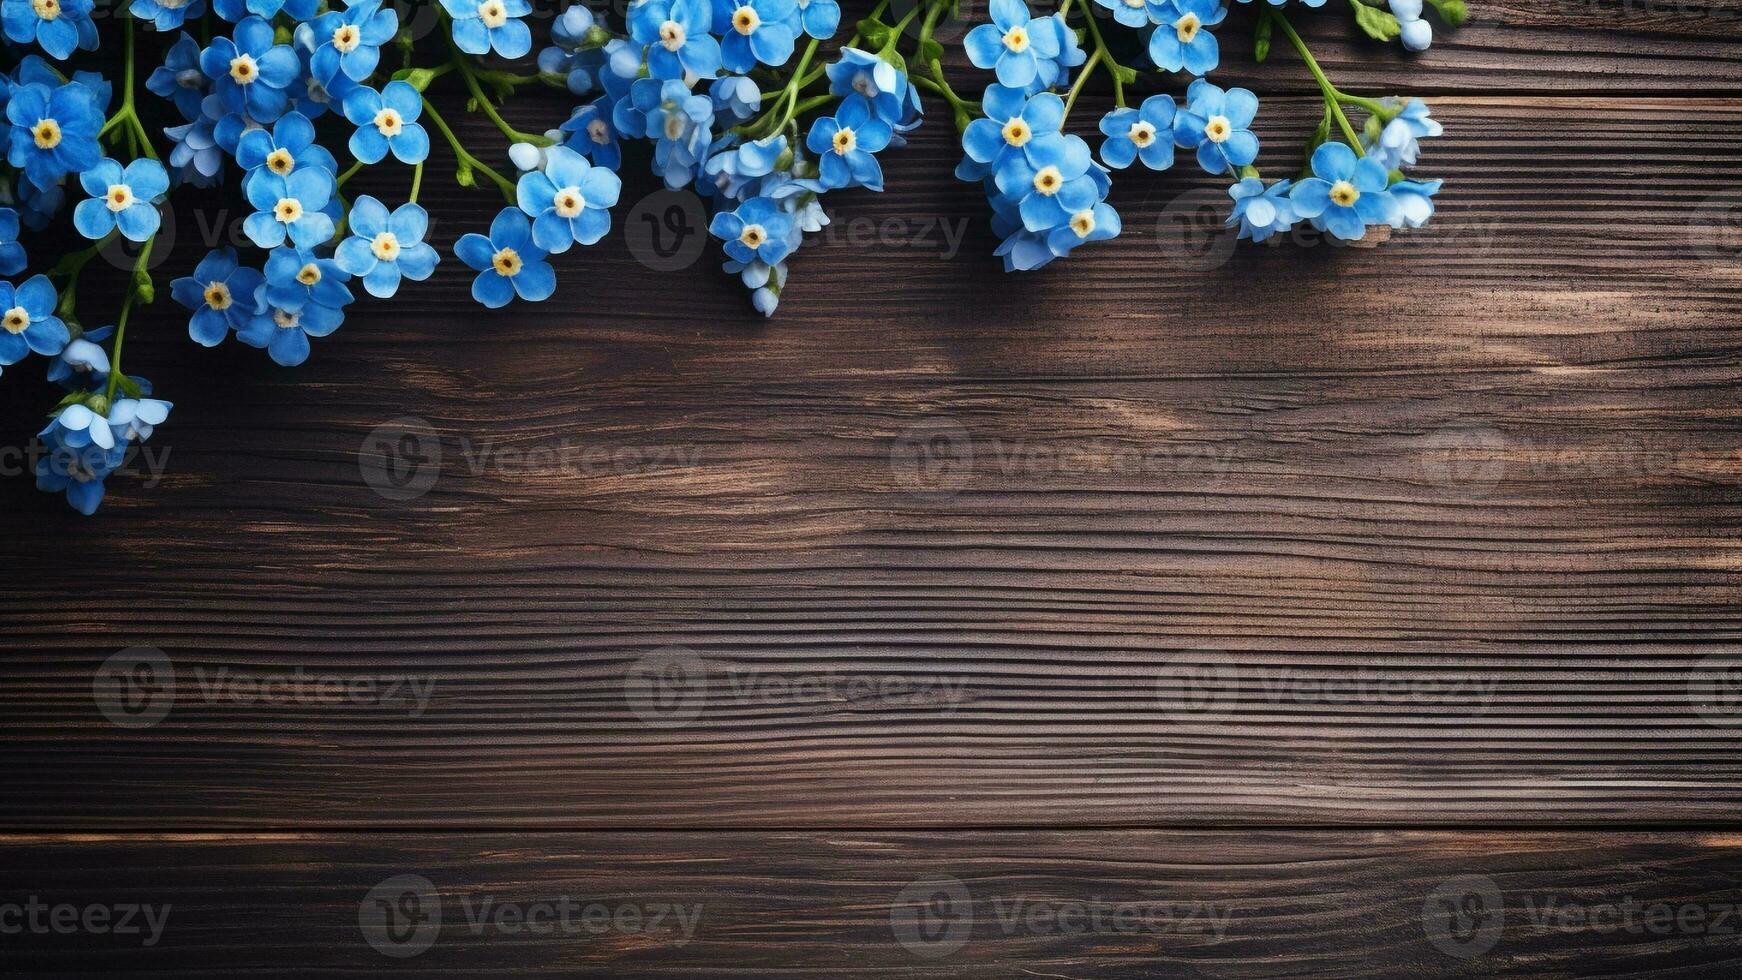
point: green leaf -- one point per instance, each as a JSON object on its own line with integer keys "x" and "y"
{"x": 929, "y": 51}
{"x": 1380, "y": 25}
{"x": 131, "y": 387}
{"x": 873, "y": 33}
{"x": 1261, "y": 38}
{"x": 1453, "y": 12}
{"x": 1126, "y": 74}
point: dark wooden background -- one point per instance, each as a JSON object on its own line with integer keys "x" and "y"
{"x": 1318, "y": 588}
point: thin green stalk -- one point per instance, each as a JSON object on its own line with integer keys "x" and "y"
{"x": 466, "y": 160}
{"x": 354, "y": 169}
{"x": 1101, "y": 46}
{"x": 489, "y": 107}
{"x": 134, "y": 292}
{"x": 1330, "y": 91}
{"x": 416, "y": 182}
{"x": 1083, "y": 76}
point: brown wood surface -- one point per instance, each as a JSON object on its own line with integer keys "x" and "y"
{"x": 1377, "y": 566}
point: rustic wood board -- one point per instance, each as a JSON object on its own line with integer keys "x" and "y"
{"x": 1348, "y": 557}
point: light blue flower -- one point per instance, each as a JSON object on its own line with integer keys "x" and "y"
{"x": 1097, "y": 223}
{"x": 1345, "y": 193}
{"x": 284, "y": 333}
{"x": 592, "y": 135}
{"x": 387, "y": 120}
{"x": 350, "y": 41}
{"x": 1138, "y": 13}
{"x": 1050, "y": 181}
{"x": 1217, "y": 125}
{"x": 1259, "y": 210}
{"x": 509, "y": 262}
{"x": 167, "y": 15}
{"x": 756, "y": 31}
{"x": 297, "y": 277}
{"x": 293, "y": 205}
{"x": 179, "y": 78}
{"x": 83, "y": 364}
{"x": 54, "y": 131}
{"x": 1414, "y": 202}
{"x": 1182, "y": 38}
{"x": 384, "y": 247}
{"x": 288, "y": 145}
{"x": 1144, "y": 133}
{"x": 821, "y": 18}
{"x": 844, "y": 145}
{"x": 568, "y": 200}
{"x": 28, "y": 321}
{"x": 677, "y": 38}
{"x": 79, "y": 473}
{"x": 12, "y": 257}
{"x": 60, "y": 26}
{"x": 235, "y": 10}
{"x": 1415, "y": 32}
{"x": 1399, "y": 142}
{"x": 757, "y": 230}
{"x": 196, "y": 157}
{"x": 124, "y": 199}
{"x": 252, "y": 73}
{"x": 736, "y": 94}
{"x": 862, "y": 73}
{"x": 221, "y": 294}
{"x": 1013, "y": 121}
{"x": 1013, "y": 44}
{"x": 483, "y": 25}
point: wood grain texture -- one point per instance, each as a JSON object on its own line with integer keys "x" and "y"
{"x": 1082, "y": 904}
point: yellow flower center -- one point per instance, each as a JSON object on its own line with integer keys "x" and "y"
{"x": 671, "y": 35}
{"x": 46, "y": 9}
{"x": 569, "y": 203}
{"x": 753, "y": 235}
{"x": 17, "y": 320}
{"x": 1187, "y": 27}
{"x": 385, "y": 246}
{"x": 243, "y": 69}
{"x": 493, "y": 13}
{"x": 288, "y": 209}
{"x": 1142, "y": 133}
{"x": 47, "y": 134}
{"x": 1218, "y": 129}
{"x": 286, "y": 320}
{"x": 309, "y": 275}
{"x": 746, "y": 20}
{"x": 1344, "y": 193}
{"x": 1017, "y": 133}
{"x": 507, "y": 262}
{"x": 1016, "y": 39}
{"x": 119, "y": 198}
{"x": 389, "y": 122}
{"x": 845, "y": 141}
{"x": 281, "y": 162}
{"x": 1082, "y": 223}
{"x": 218, "y": 296}
{"x": 674, "y": 125}
{"x": 347, "y": 38}
{"x": 1048, "y": 180}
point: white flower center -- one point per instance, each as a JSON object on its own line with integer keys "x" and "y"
{"x": 493, "y": 13}
{"x": 46, "y": 133}
{"x": 281, "y": 162}
{"x": 243, "y": 70}
{"x": 745, "y": 20}
{"x": 218, "y": 296}
{"x": 1083, "y": 222}
{"x": 385, "y": 246}
{"x": 287, "y": 210}
{"x": 1142, "y": 133}
{"x": 569, "y": 203}
{"x": 507, "y": 262}
{"x": 674, "y": 126}
{"x": 753, "y": 235}
{"x": 17, "y": 320}
{"x": 865, "y": 85}
{"x": 119, "y": 198}
{"x": 309, "y": 275}
{"x": 191, "y": 78}
{"x": 671, "y": 35}
{"x": 1218, "y": 129}
{"x": 599, "y": 132}
{"x": 347, "y": 38}
{"x": 389, "y": 122}
{"x": 845, "y": 141}
{"x": 1016, "y": 39}
{"x": 46, "y": 9}
{"x": 1344, "y": 193}
{"x": 1187, "y": 27}
{"x": 1049, "y": 180}
{"x": 1017, "y": 133}
{"x": 286, "y": 320}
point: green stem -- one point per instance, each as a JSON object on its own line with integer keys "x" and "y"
{"x": 465, "y": 159}
{"x": 489, "y": 107}
{"x": 127, "y": 117}
{"x": 1101, "y": 48}
{"x": 133, "y": 293}
{"x": 1083, "y": 76}
{"x": 416, "y": 182}
{"x": 352, "y": 172}
{"x": 1330, "y": 91}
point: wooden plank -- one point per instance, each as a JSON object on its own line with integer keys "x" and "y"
{"x": 1498, "y": 456}
{"x": 1073, "y": 904}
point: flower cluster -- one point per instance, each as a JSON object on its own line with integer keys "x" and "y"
{"x": 285, "y": 101}
{"x": 1048, "y": 193}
